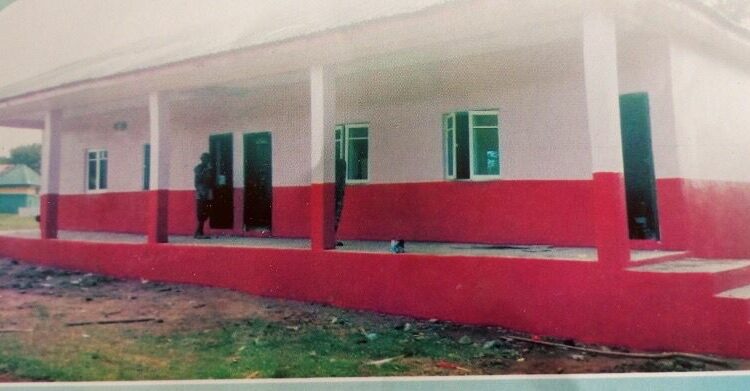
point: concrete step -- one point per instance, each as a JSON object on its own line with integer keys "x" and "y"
{"x": 725, "y": 274}
{"x": 693, "y": 265}
{"x": 742, "y": 293}
{"x": 739, "y": 298}
{"x": 650, "y": 257}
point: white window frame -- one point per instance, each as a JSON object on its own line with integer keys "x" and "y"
{"x": 472, "y": 175}
{"x": 344, "y": 140}
{"x": 101, "y": 155}
{"x": 338, "y": 134}
{"x": 446, "y": 129}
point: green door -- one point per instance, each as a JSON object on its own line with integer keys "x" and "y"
{"x": 258, "y": 181}
{"x": 222, "y": 208}
{"x": 638, "y": 159}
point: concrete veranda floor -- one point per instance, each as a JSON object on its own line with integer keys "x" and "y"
{"x": 585, "y": 254}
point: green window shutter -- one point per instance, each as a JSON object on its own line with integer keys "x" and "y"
{"x": 146, "y": 166}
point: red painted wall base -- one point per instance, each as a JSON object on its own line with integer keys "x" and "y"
{"x": 564, "y": 299}
{"x": 708, "y": 218}
{"x": 322, "y": 216}
{"x": 48, "y": 214}
{"x": 610, "y": 220}
{"x": 157, "y": 229}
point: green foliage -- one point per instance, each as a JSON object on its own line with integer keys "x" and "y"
{"x": 30, "y": 155}
{"x": 250, "y": 348}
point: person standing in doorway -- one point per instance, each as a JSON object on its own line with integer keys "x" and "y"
{"x": 204, "y": 183}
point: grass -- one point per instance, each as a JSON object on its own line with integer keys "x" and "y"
{"x": 243, "y": 349}
{"x": 13, "y": 221}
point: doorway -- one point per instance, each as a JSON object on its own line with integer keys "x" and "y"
{"x": 258, "y": 181}
{"x": 638, "y": 160}
{"x": 222, "y": 209}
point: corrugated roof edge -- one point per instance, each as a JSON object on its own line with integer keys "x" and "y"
{"x": 139, "y": 69}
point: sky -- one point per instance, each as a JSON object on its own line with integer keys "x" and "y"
{"x": 43, "y": 35}
{"x": 11, "y": 138}
{"x": 39, "y": 41}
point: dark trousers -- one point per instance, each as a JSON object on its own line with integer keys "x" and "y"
{"x": 202, "y": 209}
{"x": 339, "y": 195}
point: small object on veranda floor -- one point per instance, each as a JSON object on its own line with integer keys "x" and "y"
{"x": 397, "y": 246}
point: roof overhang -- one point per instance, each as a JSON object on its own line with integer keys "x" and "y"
{"x": 420, "y": 36}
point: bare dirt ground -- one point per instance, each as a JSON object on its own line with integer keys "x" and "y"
{"x": 41, "y": 304}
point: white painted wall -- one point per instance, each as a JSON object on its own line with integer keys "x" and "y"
{"x": 712, "y": 114}
{"x": 125, "y": 149}
{"x": 540, "y": 99}
{"x": 285, "y": 113}
{"x": 643, "y": 63}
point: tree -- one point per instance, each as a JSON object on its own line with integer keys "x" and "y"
{"x": 30, "y": 155}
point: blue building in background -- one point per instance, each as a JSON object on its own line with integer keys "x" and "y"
{"x": 19, "y": 189}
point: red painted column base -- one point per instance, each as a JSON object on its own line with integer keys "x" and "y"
{"x": 322, "y": 216}
{"x": 157, "y": 216}
{"x": 610, "y": 220}
{"x": 48, "y": 215}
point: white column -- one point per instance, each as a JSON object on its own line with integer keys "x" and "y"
{"x": 322, "y": 192}
{"x": 603, "y": 112}
{"x": 322, "y": 122}
{"x": 158, "y": 110}
{"x": 602, "y": 91}
{"x": 50, "y": 187}
{"x": 238, "y": 177}
{"x": 51, "y": 152}
{"x": 160, "y": 141}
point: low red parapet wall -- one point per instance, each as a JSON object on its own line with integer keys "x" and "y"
{"x": 517, "y": 211}
{"x": 719, "y": 215}
{"x": 556, "y": 212}
{"x": 111, "y": 212}
{"x": 568, "y": 299}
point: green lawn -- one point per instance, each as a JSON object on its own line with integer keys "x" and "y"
{"x": 243, "y": 349}
{"x": 12, "y": 221}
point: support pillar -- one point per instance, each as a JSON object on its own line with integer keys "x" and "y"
{"x": 603, "y": 111}
{"x": 322, "y": 187}
{"x": 160, "y": 135}
{"x": 238, "y": 177}
{"x": 50, "y": 187}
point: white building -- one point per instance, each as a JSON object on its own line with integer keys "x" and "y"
{"x": 618, "y": 125}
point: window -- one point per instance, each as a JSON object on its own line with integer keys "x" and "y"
{"x": 96, "y": 169}
{"x": 471, "y": 145}
{"x": 352, "y": 145}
